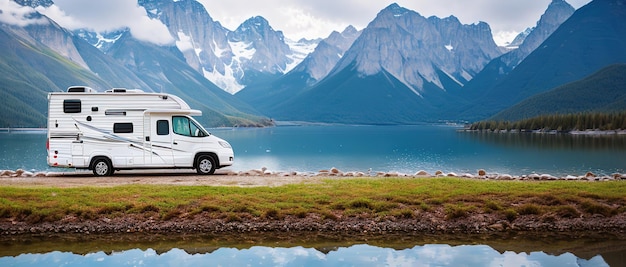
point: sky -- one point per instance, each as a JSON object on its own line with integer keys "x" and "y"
{"x": 295, "y": 18}
{"x": 312, "y": 19}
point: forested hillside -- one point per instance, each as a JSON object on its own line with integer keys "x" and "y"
{"x": 602, "y": 92}
{"x": 558, "y": 122}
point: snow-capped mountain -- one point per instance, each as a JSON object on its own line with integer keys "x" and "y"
{"x": 47, "y": 57}
{"x": 398, "y": 70}
{"x": 259, "y": 51}
{"x": 415, "y": 49}
{"x": 328, "y": 52}
{"x": 202, "y": 40}
{"x": 301, "y": 49}
{"x": 519, "y": 39}
{"x": 252, "y": 53}
{"x": 266, "y": 96}
{"x": 557, "y": 12}
{"x": 589, "y": 40}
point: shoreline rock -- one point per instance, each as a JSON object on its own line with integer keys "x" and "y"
{"x": 334, "y": 172}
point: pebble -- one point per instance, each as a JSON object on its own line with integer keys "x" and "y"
{"x": 421, "y": 173}
{"x": 482, "y": 174}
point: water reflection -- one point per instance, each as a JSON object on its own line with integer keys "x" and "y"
{"x": 551, "y": 141}
{"x": 356, "y": 255}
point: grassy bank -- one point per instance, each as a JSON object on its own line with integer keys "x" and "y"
{"x": 372, "y": 198}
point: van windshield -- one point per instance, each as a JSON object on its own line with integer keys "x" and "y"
{"x": 185, "y": 126}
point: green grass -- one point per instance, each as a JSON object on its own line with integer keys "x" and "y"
{"x": 331, "y": 199}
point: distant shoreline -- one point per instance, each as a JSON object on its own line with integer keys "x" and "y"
{"x": 589, "y": 132}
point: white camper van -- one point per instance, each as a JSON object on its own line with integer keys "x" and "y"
{"x": 129, "y": 129}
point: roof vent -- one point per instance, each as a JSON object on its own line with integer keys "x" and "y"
{"x": 80, "y": 89}
{"x": 124, "y": 90}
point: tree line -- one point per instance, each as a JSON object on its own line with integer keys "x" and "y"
{"x": 558, "y": 122}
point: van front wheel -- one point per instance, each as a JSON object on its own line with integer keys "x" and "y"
{"x": 102, "y": 167}
{"x": 205, "y": 165}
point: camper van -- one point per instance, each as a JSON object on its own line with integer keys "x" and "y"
{"x": 124, "y": 129}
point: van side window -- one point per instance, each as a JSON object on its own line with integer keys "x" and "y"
{"x": 181, "y": 125}
{"x": 196, "y": 131}
{"x": 125, "y": 127}
{"x": 163, "y": 127}
{"x": 184, "y": 126}
{"x": 71, "y": 106}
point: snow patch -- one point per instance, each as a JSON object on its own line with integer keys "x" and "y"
{"x": 184, "y": 43}
{"x": 102, "y": 40}
{"x": 242, "y": 50}
{"x": 217, "y": 50}
{"x": 227, "y": 81}
{"x": 300, "y": 51}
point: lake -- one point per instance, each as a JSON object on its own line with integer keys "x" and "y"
{"x": 404, "y": 149}
{"x": 310, "y": 148}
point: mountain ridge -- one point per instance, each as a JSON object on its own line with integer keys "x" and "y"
{"x": 587, "y": 41}
{"x": 403, "y": 68}
{"x": 47, "y": 58}
{"x": 400, "y": 53}
{"x": 316, "y": 66}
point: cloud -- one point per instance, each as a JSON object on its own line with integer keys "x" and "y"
{"x": 14, "y": 14}
{"x": 313, "y": 19}
{"x": 306, "y": 25}
{"x": 296, "y": 18}
{"x": 107, "y": 16}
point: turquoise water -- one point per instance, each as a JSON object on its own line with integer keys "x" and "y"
{"x": 355, "y": 255}
{"x": 311, "y": 148}
{"x": 404, "y": 149}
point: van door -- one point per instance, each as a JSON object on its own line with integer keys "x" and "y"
{"x": 187, "y": 137}
{"x": 78, "y": 158}
{"x": 159, "y": 152}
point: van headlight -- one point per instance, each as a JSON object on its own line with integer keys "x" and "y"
{"x": 225, "y": 144}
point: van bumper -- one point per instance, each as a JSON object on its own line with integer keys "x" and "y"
{"x": 226, "y": 159}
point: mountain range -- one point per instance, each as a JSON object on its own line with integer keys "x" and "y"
{"x": 589, "y": 40}
{"x": 43, "y": 57}
{"x": 396, "y": 71}
{"x": 403, "y": 68}
{"x": 317, "y": 65}
{"x": 526, "y": 42}
{"x": 252, "y": 53}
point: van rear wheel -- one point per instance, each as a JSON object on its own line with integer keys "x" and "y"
{"x": 205, "y": 165}
{"x": 102, "y": 167}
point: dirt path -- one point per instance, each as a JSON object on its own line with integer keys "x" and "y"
{"x": 156, "y": 178}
